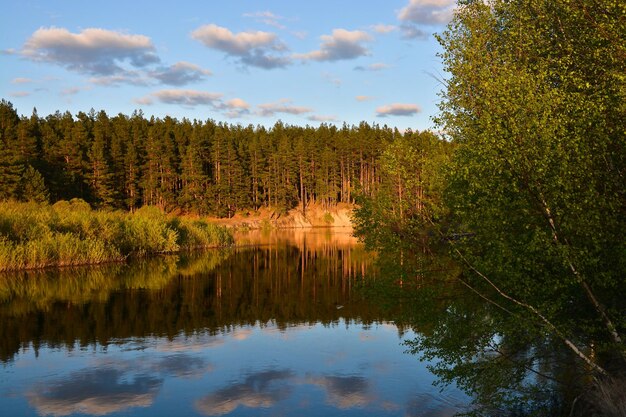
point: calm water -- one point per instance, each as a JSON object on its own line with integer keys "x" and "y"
{"x": 275, "y": 327}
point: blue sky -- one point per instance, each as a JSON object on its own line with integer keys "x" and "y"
{"x": 236, "y": 61}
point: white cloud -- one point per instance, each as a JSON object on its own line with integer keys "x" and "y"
{"x": 267, "y": 18}
{"x": 181, "y": 73}
{"x": 322, "y": 119}
{"x": 237, "y": 103}
{"x": 377, "y": 66}
{"x": 334, "y": 80}
{"x": 127, "y": 77}
{"x": 259, "y": 49}
{"x": 364, "y": 98}
{"x": 427, "y": 12}
{"x": 342, "y": 44}
{"x": 183, "y": 97}
{"x": 144, "y": 101}
{"x": 282, "y": 106}
{"x": 18, "y": 94}
{"x": 21, "y": 80}
{"x": 93, "y": 51}
{"x": 71, "y": 91}
{"x": 410, "y": 31}
{"x": 398, "y": 109}
{"x": 300, "y": 34}
{"x": 220, "y": 38}
{"x": 383, "y": 29}
{"x": 235, "y": 108}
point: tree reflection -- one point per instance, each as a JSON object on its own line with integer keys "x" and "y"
{"x": 508, "y": 366}
{"x": 211, "y": 292}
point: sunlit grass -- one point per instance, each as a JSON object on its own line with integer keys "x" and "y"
{"x": 70, "y": 233}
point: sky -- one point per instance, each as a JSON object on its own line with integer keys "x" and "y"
{"x": 236, "y": 61}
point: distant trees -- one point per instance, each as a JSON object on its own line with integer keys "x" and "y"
{"x": 203, "y": 167}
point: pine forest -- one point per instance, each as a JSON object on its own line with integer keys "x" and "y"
{"x": 201, "y": 167}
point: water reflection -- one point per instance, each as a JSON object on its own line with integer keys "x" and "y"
{"x": 183, "y": 366}
{"x": 428, "y": 405}
{"x": 258, "y": 390}
{"x": 277, "y": 328}
{"x": 344, "y": 391}
{"x": 169, "y": 295}
{"x": 96, "y": 392}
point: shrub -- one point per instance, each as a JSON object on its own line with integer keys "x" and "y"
{"x": 70, "y": 233}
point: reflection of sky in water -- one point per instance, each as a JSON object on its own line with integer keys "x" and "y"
{"x": 344, "y": 369}
{"x": 97, "y": 392}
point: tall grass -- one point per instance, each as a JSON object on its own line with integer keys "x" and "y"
{"x": 70, "y": 233}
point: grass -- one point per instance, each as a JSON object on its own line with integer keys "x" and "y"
{"x": 71, "y": 233}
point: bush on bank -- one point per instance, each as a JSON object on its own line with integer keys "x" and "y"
{"x": 69, "y": 233}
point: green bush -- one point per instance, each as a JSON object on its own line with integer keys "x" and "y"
{"x": 70, "y": 233}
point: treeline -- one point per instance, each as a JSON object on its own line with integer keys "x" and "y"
{"x": 125, "y": 162}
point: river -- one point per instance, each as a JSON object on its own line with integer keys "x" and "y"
{"x": 276, "y": 326}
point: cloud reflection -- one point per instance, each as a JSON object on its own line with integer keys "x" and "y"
{"x": 183, "y": 366}
{"x": 344, "y": 391}
{"x": 241, "y": 334}
{"x": 96, "y": 392}
{"x": 259, "y": 390}
{"x": 195, "y": 343}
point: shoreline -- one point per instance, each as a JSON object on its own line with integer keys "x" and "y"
{"x": 339, "y": 216}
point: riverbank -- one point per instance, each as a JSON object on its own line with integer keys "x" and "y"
{"x": 34, "y": 236}
{"x": 315, "y": 216}
{"x": 70, "y": 233}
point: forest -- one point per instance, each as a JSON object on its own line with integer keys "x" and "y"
{"x": 201, "y": 167}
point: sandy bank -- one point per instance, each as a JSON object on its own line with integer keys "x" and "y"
{"x": 316, "y": 216}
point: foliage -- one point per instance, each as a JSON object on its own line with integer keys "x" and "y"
{"x": 535, "y": 105}
{"x": 33, "y": 187}
{"x": 71, "y": 233}
{"x": 534, "y": 112}
{"x": 409, "y": 199}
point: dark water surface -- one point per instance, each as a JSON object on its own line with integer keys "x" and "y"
{"x": 275, "y": 327}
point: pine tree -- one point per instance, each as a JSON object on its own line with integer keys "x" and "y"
{"x": 33, "y": 187}
{"x": 11, "y": 165}
{"x": 98, "y": 172}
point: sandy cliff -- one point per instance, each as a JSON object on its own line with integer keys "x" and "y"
{"x": 316, "y": 216}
